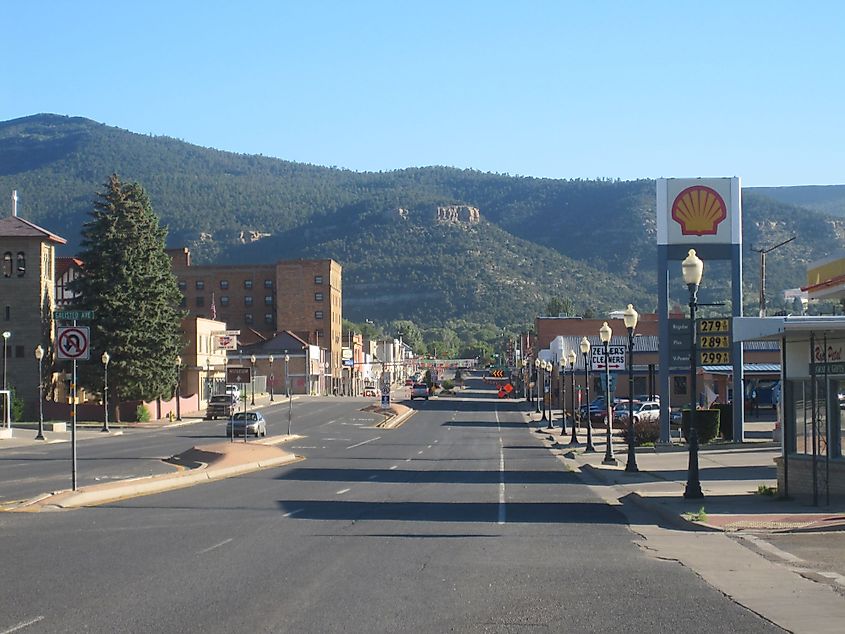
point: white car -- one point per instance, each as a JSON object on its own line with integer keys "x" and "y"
{"x": 643, "y": 411}
{"x": 234, "y": 390}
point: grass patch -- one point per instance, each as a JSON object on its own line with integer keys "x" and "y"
{"x": 765, "y": 489}
{"x": 699, "y": 516}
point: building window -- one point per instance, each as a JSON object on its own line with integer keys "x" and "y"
{"x": 199, "y": 284}
{"x": 224, "y": 284}
{"x": 268, "y": 300}
{"x": 248, "y": 300}
{"x": 183, "y": 285}
{"x": 247, "y": 284}
{"x": 21, "y": 263}
{"x": 248, "y": 319}
{"x": 318, "y": 297}
{"x": 200, "y": 301}
{"x": 268, "y": 283}
{"x": 319, "y": 333}
{"x": 224, "y": 300}
{"x": 183, "y": 302}
{"x": 318, "y": 314}
{"x": 318, "y": 279}
{"x": 679, "y": 385}
{"x": 8, "y": 313}
{"x": 268, "y": 318}
{"x": 19, "y": 352}
{"x": 7, "y": 264}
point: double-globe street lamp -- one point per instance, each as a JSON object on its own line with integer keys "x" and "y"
{"x": 572, "y": 358}
{"x": 692, "y": 269}
{"x": 39, "y": 354}
{"x": 605, "y": 333}
{"x": 525, "y": 391}
{"x": 547, "y": 389}
{"x": 105, "y": 359}
{"x": 630, "y": 317}
{"x": 178, "y": 390}
{"x": 6, "y": 335}
{"x": 270, "y": 361}
{"x": 536, "y": 384}
{"x": 585, "y": 350}
{"x": 562, "y": 394}
{"x": 252, "y": 376}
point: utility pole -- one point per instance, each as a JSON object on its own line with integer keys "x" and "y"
{"x": 763, "y": 253}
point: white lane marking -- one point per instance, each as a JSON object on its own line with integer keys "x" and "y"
{"x": 342, "y": 491}
{"x": 429, "y": 447}
{"x": 331, "y": 422}
{"x": 23, "y": 624}
{"x": 436, "y": 441}
{"x": 363, "y": 443}
{"x": 210, "y": 548}
{"x": 407, "y": 460}
{"x": 419, "y": 452}
{"x": 343, "y": 439}
{"x": 372, "y": 477}
{"x": 393, "y": 467}
{"x": 501, "y": 472}
{"x": 303, "y": 447}
{"x": 292, "y": 513}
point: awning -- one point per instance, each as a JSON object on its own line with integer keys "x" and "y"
{"x": 747, "y": 368}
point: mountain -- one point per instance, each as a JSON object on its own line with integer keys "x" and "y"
{"x": 429, "y": 244}
{"x": 829, "y": 199}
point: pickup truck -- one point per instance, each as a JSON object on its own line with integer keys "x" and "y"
{"x": 221, "y": 406}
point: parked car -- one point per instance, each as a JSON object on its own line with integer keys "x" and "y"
{"x": 598, "y": 409}
{"x": 419, "y": 390}
{"x": 643, "y": 411}
{"x": 221, "y": 406}
{"x": 234, "y": 390}
{"x": 247, "y": 422}
{"x": 409, "y": 382}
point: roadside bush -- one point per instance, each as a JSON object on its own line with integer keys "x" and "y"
{"x": 726, "y": 419}
{"x": 142, "y": 413}
{"x": 16, "y": 406}
{"x": 706, "y": 424}
{"x": 646, "y": 431}
{"x": 447, "y": 385}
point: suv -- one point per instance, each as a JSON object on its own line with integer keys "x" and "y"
{"x": 643, "y": 411}
{"x": 419, "y": 390}
{"x": 221, "y": 406}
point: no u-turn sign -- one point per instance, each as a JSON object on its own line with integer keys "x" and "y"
{"x": 72, "y": 343}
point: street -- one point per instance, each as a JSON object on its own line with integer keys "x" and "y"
{"x": 459, "y": 520}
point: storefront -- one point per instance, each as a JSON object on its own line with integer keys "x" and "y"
{"x": 811, "y": 467}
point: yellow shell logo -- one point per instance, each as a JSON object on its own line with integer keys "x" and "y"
{"x": 699, "y": 210}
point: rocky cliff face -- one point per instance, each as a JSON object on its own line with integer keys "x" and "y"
{"x": 459, "y": 214}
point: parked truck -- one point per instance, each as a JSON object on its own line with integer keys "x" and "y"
{"x": 221, "y": 406}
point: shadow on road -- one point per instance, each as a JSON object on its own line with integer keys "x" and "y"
{"x": 438, "y": 476}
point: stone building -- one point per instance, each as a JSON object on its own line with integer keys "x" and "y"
{"x": 27, "y": 302}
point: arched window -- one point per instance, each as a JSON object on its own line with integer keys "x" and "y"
{"x": 21, "y": 263}
{"x": 7, "y": 264}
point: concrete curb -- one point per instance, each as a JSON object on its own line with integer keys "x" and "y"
{"x": 395, "y": 421}
{"x": 102, "y": 494}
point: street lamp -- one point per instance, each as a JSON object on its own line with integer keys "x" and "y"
{"x": 39, "y": 354}
{"x": 270, "y": 361}
{"x": 562, "y": 379}
{"x": 6, "y": 335}
{"x": 605, "y": 333}
{"x": 693, "y": 268}
{"x": 585, "y": 350}
{"x": 630, "y": 317}
{"x": 287, "y": 387}
{"x": 525, "y": 379}
{"x": 547, "y": 366}
{"x": 572, "y": 358}
{"x": 178, "y": 390}
{"x": 105, "y": 359}
{"x": 537, "y": 384}
{"x": 252, "y": 375}
{"x": 543, "y": 389}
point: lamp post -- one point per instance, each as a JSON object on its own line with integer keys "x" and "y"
{"x": 6, "y": 335}
{"x": 525, "y": 379}
{"x": 630, "y": 317}
{"x": 585, "y": 350}
{"x": 270, "y": 361}
{"x": 178, "y": 390}
{"x": 562, "y": 379}
{"x": 693, "y": 268}
{"x": 572, "y": 358}
{"x": 252, "y": 376}
{"x": 39, "y": 354}
{"x": 537, "y": 384}
{"x": 105, "y": 359}
{"x": 208, "y": 378}
{"x": 605, "y": 333}
{"x": 287, "y": 387}
{"x": 543, "y": 383}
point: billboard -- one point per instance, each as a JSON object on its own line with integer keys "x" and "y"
{"x": 696, "y": 211}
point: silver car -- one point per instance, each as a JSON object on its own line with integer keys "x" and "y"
{"x": 247, "y": 423}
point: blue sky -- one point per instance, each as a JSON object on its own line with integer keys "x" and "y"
{"x": 554, "y": 89}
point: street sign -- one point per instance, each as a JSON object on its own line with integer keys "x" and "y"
{"x": 71, "y": 315}
{"x": 345, "y": 353}
{"x": 239, "y": 375}
{"x": 508, "y": 388}
{"x": 348, "y": 363}
{"x": 385, "y": 401}
{"x": 72, "y": 343}
{"x": 616, "y": 359}
{"x": 226, "y": 342}
{"x": 385, "y": 390}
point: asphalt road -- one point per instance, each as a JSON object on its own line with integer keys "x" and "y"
{"x": 458, "y": 521}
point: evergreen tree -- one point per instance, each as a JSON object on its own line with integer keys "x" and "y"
{"x": 128, "y": 282}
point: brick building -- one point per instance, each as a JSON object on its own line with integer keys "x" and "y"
{"x": 300, "y": 296}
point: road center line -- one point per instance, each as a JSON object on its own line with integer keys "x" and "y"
{"x": 363, "y": 443}
{"x": 393, "y": 467}
{"x": 501, "y": 472}
{"x": 342, "y": 491}
{"x": 23, "y": 624}
{"x": 292, "y": 513}
{"x": 210, "y": 548}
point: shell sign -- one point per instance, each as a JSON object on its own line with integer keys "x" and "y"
{"x": 698, "y": 211}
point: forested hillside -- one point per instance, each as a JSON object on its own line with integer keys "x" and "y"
{"x": 590, "y": 242}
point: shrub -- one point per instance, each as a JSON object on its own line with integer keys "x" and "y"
{"x": 706, "y": 424}
{"x": 447, "y": 385}
{"x": 646, "y": 432}
{"x": 142, "y": 413}
{"x": 16, "y": 406}
{"x": 726, "y": 420}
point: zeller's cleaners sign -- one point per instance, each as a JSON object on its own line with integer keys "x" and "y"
{"x": 615, "y": 358}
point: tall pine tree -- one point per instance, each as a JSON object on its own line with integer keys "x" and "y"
{"x": 128, "y": 282}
